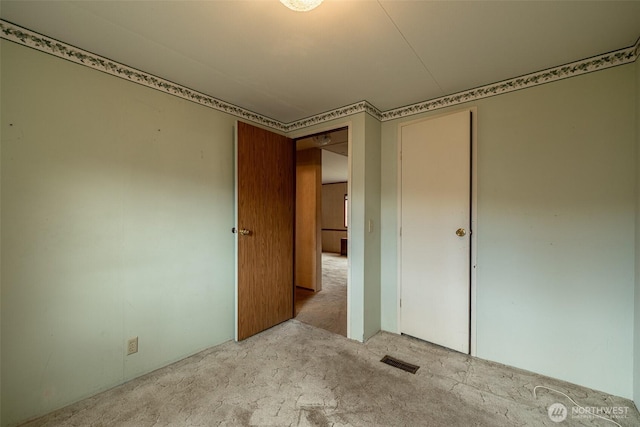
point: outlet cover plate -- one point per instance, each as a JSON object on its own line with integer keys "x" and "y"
{"x": 132, "y": 346}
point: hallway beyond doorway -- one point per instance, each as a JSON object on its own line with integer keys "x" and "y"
{"x": 326, "y": 309}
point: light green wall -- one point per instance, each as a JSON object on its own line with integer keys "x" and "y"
{"x": 357, "y": 214}
{"x": 1, "y": 424}
{"x": 117, "y": 201}
{"x": 389, "y": 227}
{"x": 555, "y": 275}
{"x": 120, "y": 204}
{"x": 372, "y": 227}
{"x": 636, "y": 359}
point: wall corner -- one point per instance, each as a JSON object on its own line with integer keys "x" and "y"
{"x": 636, "y": 324}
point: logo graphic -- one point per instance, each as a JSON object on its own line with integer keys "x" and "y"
{"x": 557, "y": 412}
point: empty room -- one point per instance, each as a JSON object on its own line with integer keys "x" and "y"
{"x": 152, "y": 213}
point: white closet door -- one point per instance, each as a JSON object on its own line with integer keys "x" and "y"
{"x": 435, "y": 233}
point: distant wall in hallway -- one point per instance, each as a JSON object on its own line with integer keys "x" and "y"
{"x": 333, "y": 227}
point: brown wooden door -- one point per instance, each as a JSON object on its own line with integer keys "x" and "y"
{"x": 265, "y": 207}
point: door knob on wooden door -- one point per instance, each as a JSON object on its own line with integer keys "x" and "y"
{"x": 242, "y": 231}
{"x": 460, "y": 232}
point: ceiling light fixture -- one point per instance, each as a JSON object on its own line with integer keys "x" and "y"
{"x": 322, "y": 139}
{"x": 301, "y": 5}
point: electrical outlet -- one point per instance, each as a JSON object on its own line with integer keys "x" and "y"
{"x": 132, "y": 346}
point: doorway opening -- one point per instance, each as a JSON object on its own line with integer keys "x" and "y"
{"x": 321, "y": 254}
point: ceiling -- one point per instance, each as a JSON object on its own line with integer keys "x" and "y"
{"x": 335, "y": 151}
{"x": 289, "y": 65}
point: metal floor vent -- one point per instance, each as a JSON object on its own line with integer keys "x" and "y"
{"x": 396, "y": 363}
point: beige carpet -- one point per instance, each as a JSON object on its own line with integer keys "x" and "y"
{"x": 298, "y": 375}
{"x": 326, "y": 309}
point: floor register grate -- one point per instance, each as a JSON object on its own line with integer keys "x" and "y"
{"x": 397, "y": 363}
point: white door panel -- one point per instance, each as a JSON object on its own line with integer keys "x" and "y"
{"x": 435, "y": 202}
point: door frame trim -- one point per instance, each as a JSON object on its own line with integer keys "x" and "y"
{"x": 326, "y": 127}
{"x": 235, "y": 236}
{"x": 474, "y": 219}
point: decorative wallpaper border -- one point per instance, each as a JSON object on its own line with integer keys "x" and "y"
{"x": 71, "y": 53}
{"x": 359, "y": 107}
{"x": 596, "y": 63}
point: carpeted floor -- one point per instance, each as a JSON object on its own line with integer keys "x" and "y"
{"x": 298, "y": 375}
{"x": 326, "y": 309}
